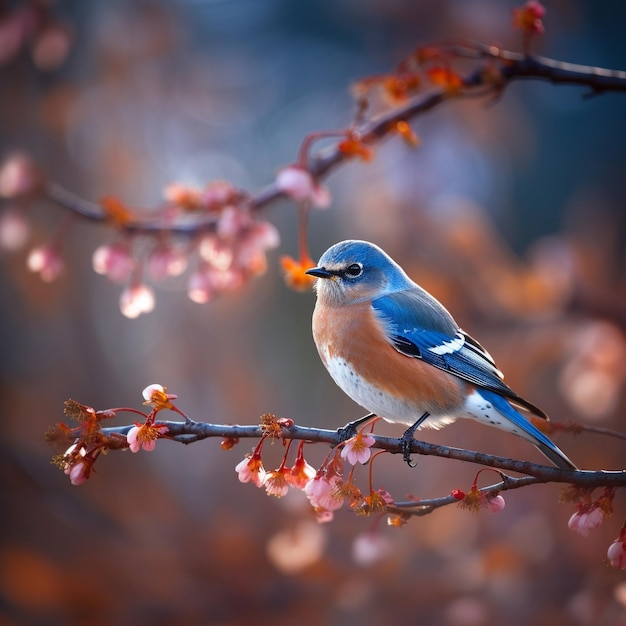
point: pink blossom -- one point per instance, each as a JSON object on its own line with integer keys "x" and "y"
{"x": 582, "y": 522}
{"x": 45, "y": 261}
{"x": 251, "y": 259}
{"x": 276, "y": 483}
{"x": 200, "y": 288}
{"x": 166, "y": 261}
{"x": 154, "y": 392}
{"x": 156, "y": 396}
{"x": 300, "y": 474}
{"x": 617, "y": 554}
{"x": 298, "y": 183}
{"x": 231, "y": 254}
{"x": 233, "y": 220}
{"x": 529, "y": 17}
{"x": 134, "y": 442}
{"x": 136, "y": 299}
{"x": 370, "y": 547}
{"x": 496, "y": 503}
{"x": 295, "y": 548}
{"x": 114, "y": 261}
{"x": 357, "y": 449}
{"x": 79, "y": 473}
{"x": 217, "y": 194}
{"x": 206, "y": 282}
{"x": 251, "y": 469}
{"x": 228, "y": 279}
{"x": 14, "y": 229}
{"x": 322, "y": 492}
{"x": 78, "y": 463}
{"x": 216, "y": 252}
{"x": 260, "y": 237}
{"x": 386, "y": 497}
{"x": 264, "y": 235}
{"x": 18, "y": 177}
{"x": 144, "y": 436}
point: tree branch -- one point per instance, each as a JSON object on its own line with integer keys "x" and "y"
{"x": 519, "y": 65}
{"x": 191, "y": 431}
{"x": 419, "y": 508}
{"x": 511, "y": 66}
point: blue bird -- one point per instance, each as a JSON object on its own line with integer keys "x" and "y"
{"x": 396, "y": 350}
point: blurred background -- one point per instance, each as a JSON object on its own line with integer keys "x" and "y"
{"x": 512, "y": 213}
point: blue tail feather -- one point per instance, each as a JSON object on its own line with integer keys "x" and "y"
{"x": 543, "y": 443}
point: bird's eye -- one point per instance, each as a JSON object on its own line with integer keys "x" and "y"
{"x": 354, "y": 270}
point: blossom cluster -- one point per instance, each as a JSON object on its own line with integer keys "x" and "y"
{"x": 232, "y": 250}
{"x": 229, "y": 250}
{"x": 476, "y": 499}
{"x": 230, "y": 253}
{"x": 589, "y": 515}
{"x": 326, "y": 488}
{"x": 426, "y": 65}
{"x": 434, "y": 65}
{"x": 590, "y": 512}
{"x": 88, "y": 440}
{"x": 296, "y": 182}
{"x": 585, "y": 520}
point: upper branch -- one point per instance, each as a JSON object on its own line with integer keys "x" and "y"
{"x": 518, "y": 65}
{"x": 500, "y": 67}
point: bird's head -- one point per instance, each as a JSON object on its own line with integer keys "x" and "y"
{"x": 355, "y": 271}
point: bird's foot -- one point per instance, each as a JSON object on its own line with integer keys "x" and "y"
{"x": 405, "y": 446}
{"x": 350, "y": 429}
{"x": 406, "y": 441}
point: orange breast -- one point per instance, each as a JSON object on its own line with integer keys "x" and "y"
{"x": 352, "y": 335}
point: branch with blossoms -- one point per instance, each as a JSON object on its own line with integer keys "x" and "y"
{"x": 331, "y": 485}
{"x": 217, "y": 229}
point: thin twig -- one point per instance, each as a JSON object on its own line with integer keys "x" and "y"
{"x": 519, "y": 65}
{"x": 599, "y": 430}
{"x": 424, "y": 507}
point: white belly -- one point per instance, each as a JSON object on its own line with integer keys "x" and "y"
{"x": 376, "y": 400}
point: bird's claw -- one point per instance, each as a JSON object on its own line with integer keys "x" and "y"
{"x": 405, "y": 446}
{"x": 406, "y": 441}
{"x": 350, "y": 429}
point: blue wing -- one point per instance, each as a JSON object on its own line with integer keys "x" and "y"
{"x": 418, "y": 326}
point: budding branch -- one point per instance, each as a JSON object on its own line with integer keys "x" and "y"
{"x": 191, "y": 431}
{"x": 489, "y": 79}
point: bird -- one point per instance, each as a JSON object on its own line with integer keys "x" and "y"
{"x": 396, "y": 350}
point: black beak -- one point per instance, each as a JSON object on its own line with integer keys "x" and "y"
{"x": 319, "y": 272}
